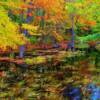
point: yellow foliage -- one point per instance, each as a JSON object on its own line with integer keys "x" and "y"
{"x": 29, "y": 27}
{"x": 9, "y": 34}
{"x": 36, "y": 60}
{"x": 39, "y": 60}
{"x": 55, "y": 8}
{"x": 57, "y": 36}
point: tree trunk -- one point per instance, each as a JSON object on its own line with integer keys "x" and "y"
{"x": 73, "y": 34}
{"x": 28, "y": 19}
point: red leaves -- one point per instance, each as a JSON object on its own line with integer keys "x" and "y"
{"x": 30, "y": 14}
{"x": 38, "y": 18}
{"x": 64, "y": 45}
{"x": 2, "y": 74}
{"x": 92, "y": 43}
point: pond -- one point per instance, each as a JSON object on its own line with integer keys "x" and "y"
{"x": 49, "y": 80}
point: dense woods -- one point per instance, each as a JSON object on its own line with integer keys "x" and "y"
{"x": 49, "y": 49}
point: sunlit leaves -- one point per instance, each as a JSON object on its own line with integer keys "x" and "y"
{"x": 86, "y": 12}
{"x": 93, "y": 37}
{"x": 31, "y": 29}
{"x": 70, "y": 8}
{"x": 58, "y": 36}
{"x": 9, "y": 35}
{"x": 44, "y": 12}
{"x": 54, "y": 8}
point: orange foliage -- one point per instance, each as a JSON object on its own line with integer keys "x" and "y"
{"x": 91, "y": 23}
{"x": 26, "y": 6}
{"x": 30, "y": 14}
{"x": 92, "y": 43}
{"x": 54, "y": 8}
{"x": 38, "y": 18}
{"x": 85, "y": 28}
{"x": 86, "y": 22}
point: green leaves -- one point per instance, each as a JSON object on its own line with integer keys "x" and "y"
{"x": 70, "y": 8}
{"x": 87, "y": 17}
{"x": 93, "y": 37}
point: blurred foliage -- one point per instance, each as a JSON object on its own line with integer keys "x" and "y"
{"x": 9, "y": 34}
{"x": 86, "y": 17}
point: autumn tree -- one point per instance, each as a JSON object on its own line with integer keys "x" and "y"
{"x": 86, "y": 18}
{"x": 9, "y": 34}
{"x": 22, "y": 16}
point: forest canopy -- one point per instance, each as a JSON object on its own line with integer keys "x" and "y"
{"x": 36, "y": 16}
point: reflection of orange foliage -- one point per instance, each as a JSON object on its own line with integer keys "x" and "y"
{"x": 92, "y": 43}
{"x": 84, "y": 62}
{"x": 84, "y": 67}
{"x": 64, "y": 45}
{"x": 1, "y": 73}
